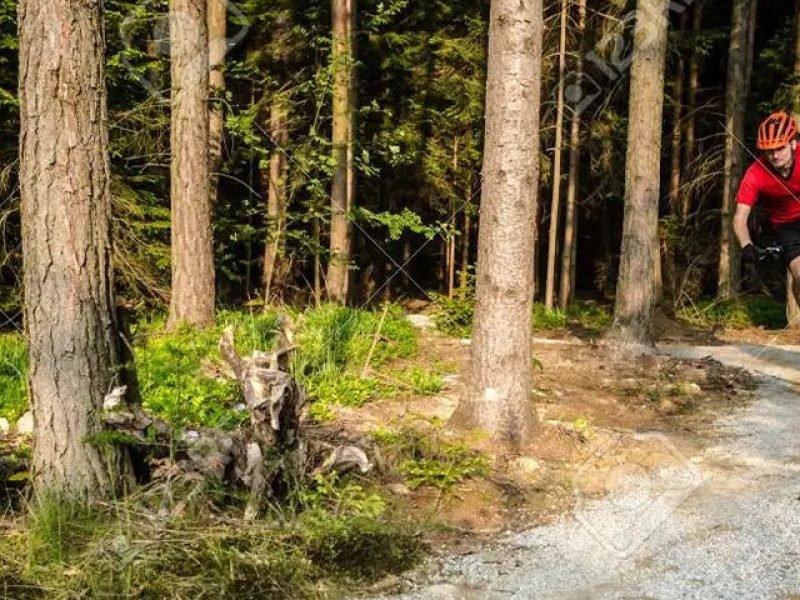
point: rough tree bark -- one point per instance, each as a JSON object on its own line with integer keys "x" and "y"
{"x": 193, "y": 286}
{"x": 217, "y": 48}
{"x": 276, "y": 179}
{"x": 635, "y": 303}
{"x": 737, "y": 89}
{"x": 497, "y": 399}
{"x": 569, "y": 250}
{"x": 465, "y": 241}
{"x": 792, "y": 309}
{"x": 691, "y": 99}
{"x": 677, "y": 127}
{"x": 555, "y": 204}
{"x": 667, "y": 251}
{"x": 66, "y": 206}
{"x": 451, "y": 240}
{"x": 341, "y": 233}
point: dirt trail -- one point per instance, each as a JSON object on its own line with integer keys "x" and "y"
{"x": 723, "y": 524}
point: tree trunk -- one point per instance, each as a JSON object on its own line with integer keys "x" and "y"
{"x": 275, "y": 185}
{"x": 633, "y": 313}
{"x": 555, "y": 205}
{"x": 667, "y": 252}
{"x": 217, "y": 48}
{"x": 568, "y": 252}
{"x": 792, "y": 309}
{"x": 691, "y": 118}
{"x": 192, "y": 243}
{"x": 66, "y": 223}
{"x": 497, "y": 399}
{"x": 451, "y": 265}
{"x": 677, "y": 129}
{"x": 317, "y": 263}
{"x": 451, "y": 240}
{"x": 342, "y": 57}
{"x": 465, "y": 243}
{"x": 736, "y": 103}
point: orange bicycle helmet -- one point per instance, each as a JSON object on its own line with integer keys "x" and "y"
{"x": 776, "y": 131}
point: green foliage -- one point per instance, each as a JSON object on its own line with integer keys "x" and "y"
{"x": 176, "y": 370}
{"x": 13, "y": 376}
{"x": 423, "y": 458}
{"x": 420, "y": 380}
{"x": 346, "y": 389}
{"x": 334, "y": 343}
{"x": 588, "y": 315}
{"x": 339, "y": 338}
{"x": 741, "y": 313}
{"x": 58, "y": 528}
{"x": 453, "y": 316}
{"x": 344, "y": 528}
{"x": 112, "y": 439}
{"x": 397, "y": 224}
{"x": 338, "y": 532}
{"x": 173, "y": 385}
{"x": 181, "y": 373}
{"x": 548, "y": 319}
{"x": 360, "y": 547}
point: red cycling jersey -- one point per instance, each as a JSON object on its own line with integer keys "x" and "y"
{"x": 780, "y": 197}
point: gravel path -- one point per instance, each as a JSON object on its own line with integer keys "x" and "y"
{"x": 725, "y": 524}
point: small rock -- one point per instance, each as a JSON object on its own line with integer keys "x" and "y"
{"x": 4, "y": 426}
{"x": 690, "y": 388}
{"x": 25, "y": 424}
{"x": 447, "y": 591}
{"x": 466, "y": 342}
{"x": 346, "y": 458}
{"x": 421, "y": 321}
{"x": 398, "y": 489}
{"x": 666, "y": 405}
{"x": 524, "y": 468}
{"x": 389, "y": 584}
{"x": 115, "y": 398}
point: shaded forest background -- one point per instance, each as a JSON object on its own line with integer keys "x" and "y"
{"x": 420, "y": 71}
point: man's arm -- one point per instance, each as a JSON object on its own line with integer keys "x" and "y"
{"x": 740, "y": 228}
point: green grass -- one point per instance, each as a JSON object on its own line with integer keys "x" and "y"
{"x": 423, "y": 458}
{"x": 337, "y": 533}
{"x": 13, "y": 374}
{"x": 453, "y": 316}
{"x": 339, "y": 338}
{"x": 171, "y": 368}
{"x": 180, "y": 376}
{"x": 334, "y": 344}
{"x": 740, "y": 313}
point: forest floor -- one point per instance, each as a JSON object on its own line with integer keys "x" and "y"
{"x": 604, "y": 417}
{"x": 607, "y": 421}
{"x": 649, "y": 474}
{"x": 721, "y": 523}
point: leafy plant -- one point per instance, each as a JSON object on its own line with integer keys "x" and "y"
{"x": 740, "y": 313}
{"x": 453, "y": 316}
{"x": 336, "y": 532}
{"x": 13, "y": 376}
{"x": 422, "y": 458}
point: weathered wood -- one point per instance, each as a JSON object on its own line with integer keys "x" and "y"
{"x": 263, "y": 456}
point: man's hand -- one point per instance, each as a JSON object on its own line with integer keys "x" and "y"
{"x": 751, "y": 253}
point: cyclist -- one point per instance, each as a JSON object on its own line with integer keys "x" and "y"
{"x": 774, "y": 182}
